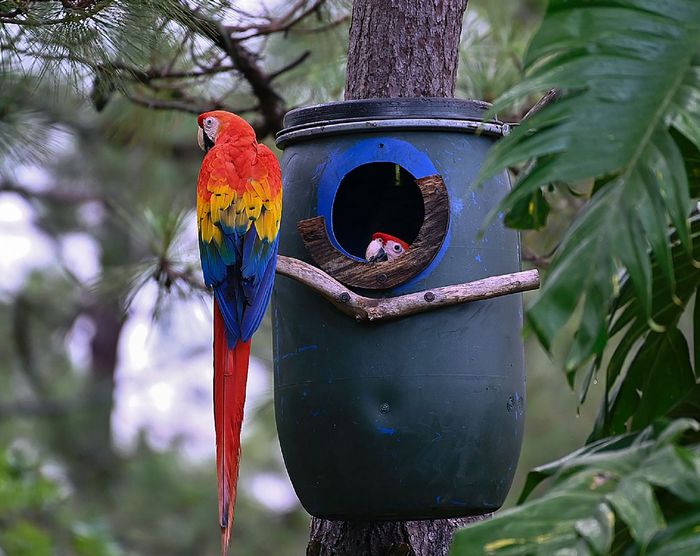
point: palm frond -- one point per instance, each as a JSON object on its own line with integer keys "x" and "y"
{"x": 628, "y": 72}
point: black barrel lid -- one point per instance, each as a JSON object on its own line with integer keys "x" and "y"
{"x": 387, "y": 108}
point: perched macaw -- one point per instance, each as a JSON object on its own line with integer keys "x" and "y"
{"x": 239, "y": 206}
{"x": 384, "y": 247}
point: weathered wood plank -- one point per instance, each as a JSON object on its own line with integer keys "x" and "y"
{"x": 387, "y": 274}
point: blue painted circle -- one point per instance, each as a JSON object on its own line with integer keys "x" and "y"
{"x": 367, "y": 151}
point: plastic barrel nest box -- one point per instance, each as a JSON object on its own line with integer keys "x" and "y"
{"x": 419, "y": 417}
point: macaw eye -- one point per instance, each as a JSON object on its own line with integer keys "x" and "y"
{"x": 208, "y": 122}
{"x": 397, "y": 248}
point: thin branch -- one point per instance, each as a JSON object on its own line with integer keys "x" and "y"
{"x": 290, "y": 66}
{"x": 77, "y": 15}
{"x": 59, "y": 196}
{"x": 77, "y": 4}
{"x": 280, "y": 24}
{"x": 272, "y": 105}
{"x": 192, "y": 108}
{"x": 551, "y": 96}
{"x": 44, "y": 408}
{"x": 169, "y": 275}
{"x": 135, "y": 74}
{"x": 540, "y": 261}
{"x": 370, "y": 309}
{"x": 12, "y": 13}
{"x": 325, "y": 27}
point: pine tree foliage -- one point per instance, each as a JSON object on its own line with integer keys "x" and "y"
{"x": 168, "y": 55}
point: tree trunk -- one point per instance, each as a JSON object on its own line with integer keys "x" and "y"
{"x": 398, "y": 48}
{"x": 404, "y": 48}
{"x": 384, "y": 538}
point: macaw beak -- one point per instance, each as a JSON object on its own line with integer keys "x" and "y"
{"x": 375, "y": 251}
{"x": 200, "y": 138}
{"x": 379, "y": 256}
{"x": 203, "y": 140}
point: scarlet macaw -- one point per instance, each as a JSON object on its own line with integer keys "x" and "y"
{"x": 384, "y": 247}
{"x": 239, "y": 206}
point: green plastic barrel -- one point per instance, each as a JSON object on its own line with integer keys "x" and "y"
{"x": 415, "y": 418}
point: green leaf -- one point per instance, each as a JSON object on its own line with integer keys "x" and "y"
{"x": 676, "y": 469}
{"x": 688, "y": 406}
{"x": 528, "y": 213}
{"x": 24, "y": 539}
{"x": 691, "y": 158}
{"x": 634, "y": 502}
{"x": 696, "y": 333}
{"x": 521, "y": 531}
{"x": 629, "y": 370}
{"x": 603, "y": 495}
{"x": 658, "y": 378}
{"x": 539, "y": 474}
{"x": 627, "y": 70}
{"x": 679, "y": 538}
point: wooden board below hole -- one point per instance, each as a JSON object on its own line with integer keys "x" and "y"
{"x": 387, "y": 274}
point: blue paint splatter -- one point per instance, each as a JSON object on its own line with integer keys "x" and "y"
{"x": 386, "y": 430}
{"x": 438, "y": 436}
{"x": 478, "y": 258}
{"x": 438, "y": 499}
{"x": 457, "y": 206}
{"x": 299, "y": 350}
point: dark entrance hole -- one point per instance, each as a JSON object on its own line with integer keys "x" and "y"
{"x": 376, "y": 197}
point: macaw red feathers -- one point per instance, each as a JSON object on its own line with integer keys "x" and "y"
{"x": 239, "y": 207}
{"x": 230, "y": 377}
{"x": 387, "y": 237}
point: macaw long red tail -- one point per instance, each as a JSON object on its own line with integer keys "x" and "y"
{"x": 230, "y": 376}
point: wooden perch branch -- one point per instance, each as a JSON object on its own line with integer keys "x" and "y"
{"x": 365, "y": 309}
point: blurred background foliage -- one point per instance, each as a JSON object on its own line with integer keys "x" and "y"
{"x": 105, "y": 429}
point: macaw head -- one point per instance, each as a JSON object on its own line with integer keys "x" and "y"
{"x": 384, "y": 247}
{"x": 219, "y": 126}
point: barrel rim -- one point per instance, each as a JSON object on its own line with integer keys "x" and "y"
{"x": 408, "y": 113}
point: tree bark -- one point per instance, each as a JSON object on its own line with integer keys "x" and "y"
{"x": 384, "y": 538}
{"x": 404, "y": 48}
{"x": 398, "y": 48}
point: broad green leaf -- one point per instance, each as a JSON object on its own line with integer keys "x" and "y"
{"x": 627, "y": 70}
{"x": 540, "y": 527}
{"x": 603, "y": 495}
{"x": 634, "y": 502}
{"x": 658, "y": 378}
{"x": 528, "y": 214}
{"x": 689, "y": 406}
{"x": 696, "y": 333}
{"x": 666, "y": 383}
{"x": 630, "y": 325}
{"x": 691, "y": 158}
{"x": 676, "y": 469}
{"x": 679, "y": 538}
{"x": 539, "y": 474}
{"x": 25, "y": 539}
{"x": 597, "y": 530}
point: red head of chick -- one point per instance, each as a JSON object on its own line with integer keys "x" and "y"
{"x": 384, "y": 247}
